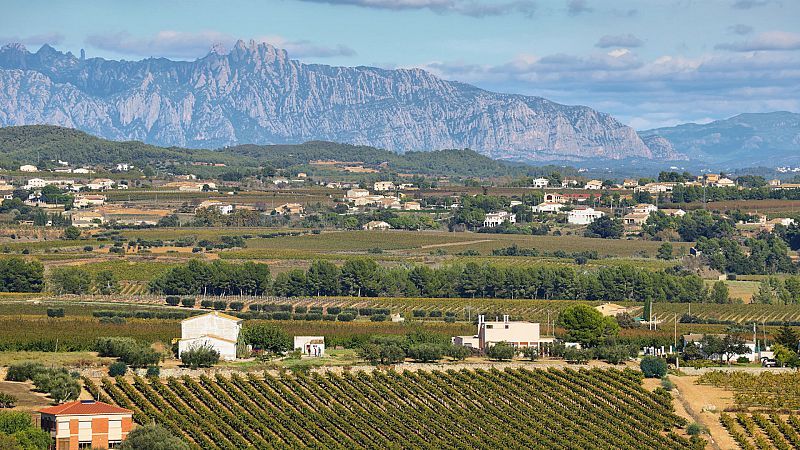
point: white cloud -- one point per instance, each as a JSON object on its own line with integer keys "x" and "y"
{"x": 768, "y": 41}
{"x": 620, "y": 40}
{"x": 474, "y": 8}
{"x": 190, "y": 45}
{"x": 647, "y": 93}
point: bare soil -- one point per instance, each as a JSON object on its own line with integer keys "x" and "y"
{"x": 27, "y": 399}
{"x": 703, "y": 404}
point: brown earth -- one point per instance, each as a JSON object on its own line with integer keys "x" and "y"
{"x": 703, "y": 404}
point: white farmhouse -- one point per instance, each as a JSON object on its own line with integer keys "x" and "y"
{"x": 583, "y": 216}
{"x": 547, "y": 208}
{"x": 28, "y": 168}
{"x": 310, "y": 345}
{"x": 382, "y": 186}
{"x": 216, "y": 330}
{"x": 356, "y": 193}
{"x": 594, "y": 185}
{"x": 518, "y": 334}
{"x": 540, "y": 183}
{"x": 497, "y": 218}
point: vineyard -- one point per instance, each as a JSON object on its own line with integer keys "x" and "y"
{"x": 759, "y": 431}
{"x": 775, "y": 391}
{"x": 537, "y": 409}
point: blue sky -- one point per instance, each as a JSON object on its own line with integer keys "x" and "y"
{"x": 649, "y": 62}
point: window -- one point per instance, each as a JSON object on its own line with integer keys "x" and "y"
{"x": 114, "y": 444}
{"x": 84, "y": 444}
{"x": 490, "y": 326}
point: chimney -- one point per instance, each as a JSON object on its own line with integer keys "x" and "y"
{"x": 505, "y": 318}
{"x": 480, "y": 319}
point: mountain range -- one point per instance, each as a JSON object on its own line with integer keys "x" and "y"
{"x": 765, "y": 139}
{"x": 255, "y": 94}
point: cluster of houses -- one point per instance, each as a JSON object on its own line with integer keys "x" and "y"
{"x": 362, "y": 197}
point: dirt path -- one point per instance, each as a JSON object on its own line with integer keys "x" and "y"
{"x": 453, "y": 244}
{"x": 698, "y": 401}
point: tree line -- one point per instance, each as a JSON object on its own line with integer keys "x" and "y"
{"x": 363, "y": 277}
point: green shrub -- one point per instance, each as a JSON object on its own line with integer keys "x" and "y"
{"x": 653, "y": 367}
{"x": 345, "y": 317}
{"x": 334, "y": 310}
{"x": 237, "y": 306}
{"x": 201, "y": 356}
{"x": 7, "y": 400}
{"x": 206, "y": 304}
{"x": 117, "y": 369}
{"x": 502, "y": 351}
{"x": 378, "y": 318}
{"x": 23, "y": 371}
{"x": 188, "y": 302}
{"x": 459, "y": 352}
{"x": 153, "y": 371}
{"x": 55, "y": 312}
{"x": 220, "y": 305}
{"x": 173, "y": 300}
{"x": 425, "y": 352}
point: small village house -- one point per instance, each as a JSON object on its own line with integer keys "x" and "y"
{"x": 383, "y": 186}
{"x": 289, "y": 209}
{"x": 498, "y": 218}
{"x": 553, "y": 197}
{"x": 222, "y": 208}
{"x": 377, "y": 225}
{"x": 28, "y": 168}
{"x": 412, "y": 206}
{"x": 593, "y": 185}
{"x": 540, "y": 183}
{"x": 86, "y": 424}
{"x": 87, "y": 219}
{"x": 356, "y": 193}
{"x": 548, "y": 208}
{"x": 310, "y": 345}
{"x": 88, "y": 200}
{"x": 216, "y": 330}
{"x": 583, "y": 216}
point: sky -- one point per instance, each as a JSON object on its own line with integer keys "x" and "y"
{"x": 649, "y": 63}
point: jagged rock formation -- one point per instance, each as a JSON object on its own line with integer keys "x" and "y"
{"x": 256, "y": 94}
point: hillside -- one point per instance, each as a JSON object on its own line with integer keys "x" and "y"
{"x": 28, "y": 144}
{"x": 256, "y": 94}
{"x": 745, "y": 140}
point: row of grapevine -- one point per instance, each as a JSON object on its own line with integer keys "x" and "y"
{"x": 778, "y": 391}
{"x": 466, "y": 409}
{"x": 764, "y": 432}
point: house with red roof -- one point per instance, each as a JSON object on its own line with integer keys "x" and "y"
{"x": 86, "y": 424}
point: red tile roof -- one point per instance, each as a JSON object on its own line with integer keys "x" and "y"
{"x": 84, "y": 408}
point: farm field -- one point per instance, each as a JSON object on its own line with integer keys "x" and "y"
{"x": 454, "y": 409}
{"x": 426, "y": 241}
{"x": 765, "y": 404}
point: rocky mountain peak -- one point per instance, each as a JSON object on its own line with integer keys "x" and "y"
{"x": 255, "y": 94}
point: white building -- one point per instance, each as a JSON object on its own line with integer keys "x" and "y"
{"x": 376, "y": 225}
{"x": 594, "y": 185}
{"x": 541, "y": 183}
{"x": 123, "y": 167}
{"x": 216, "y": 330}
{"x": 583, "y": 216}
{"x": 382, "y": 186}
{"x": 223, "y": 208}
{"x": 548, "y": 208}
{"x": 101, "y": 184}
{"x": 28, "y": 168}
{"x": 497, "y": 218}
{"x": 310, "y": 345}
{"x": 87, "y": 200}
{"x": 357, "y": 193}
{"x": 518, "y": 334}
